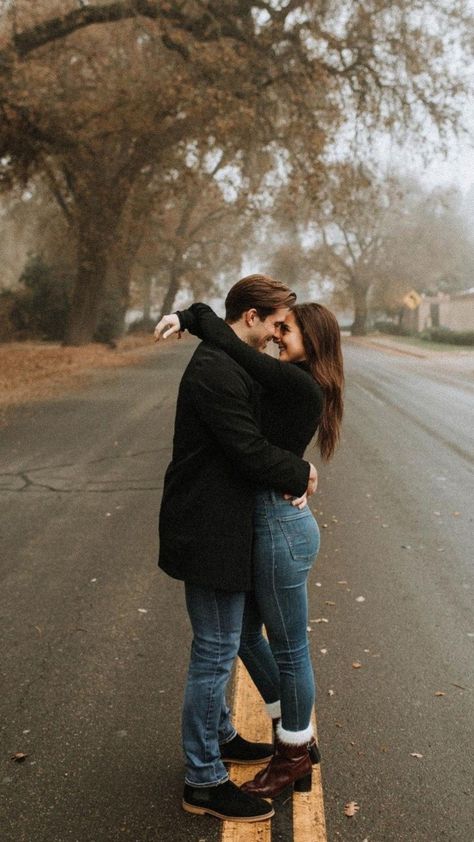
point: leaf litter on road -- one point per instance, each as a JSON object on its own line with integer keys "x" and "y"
{"x": 351, "y": 808}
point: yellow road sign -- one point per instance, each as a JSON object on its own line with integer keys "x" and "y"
{"x": 412, "y": 299}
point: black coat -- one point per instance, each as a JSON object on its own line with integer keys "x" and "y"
{"x": 219, "y": 460}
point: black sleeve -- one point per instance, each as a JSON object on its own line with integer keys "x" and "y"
{"x": 201, "y": 321}
{"x": 221, "y": 397}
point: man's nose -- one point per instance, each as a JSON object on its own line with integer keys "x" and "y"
{"x": 276, "y": 334}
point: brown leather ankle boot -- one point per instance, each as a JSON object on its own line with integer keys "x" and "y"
{"x": 291, "y": 764}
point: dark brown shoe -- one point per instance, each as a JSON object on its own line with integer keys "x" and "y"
{"x": 289, "y": 765}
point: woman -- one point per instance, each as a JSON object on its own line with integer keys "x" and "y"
{"x": 302, "y": 394}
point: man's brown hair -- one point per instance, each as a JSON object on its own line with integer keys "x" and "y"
{"x": 259, "y": 292}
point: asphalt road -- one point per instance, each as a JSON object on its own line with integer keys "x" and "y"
{"x": 94, "y": 638}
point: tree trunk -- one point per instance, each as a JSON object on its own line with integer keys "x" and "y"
{"x": 171, "y": 292}
{"x": 147, "y": 284}
{"x": 359, "y": 325}
{"x": 89, "y": 287}
{"x": 111, "y": 324}
{"x": 97, "y": 225}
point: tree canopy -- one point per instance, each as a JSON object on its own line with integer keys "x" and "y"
{"x": 93, "y": 96}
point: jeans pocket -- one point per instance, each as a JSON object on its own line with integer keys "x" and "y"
{"x": 302, "y": 535}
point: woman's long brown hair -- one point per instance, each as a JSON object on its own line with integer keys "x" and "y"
{"x": 322, "y": 343}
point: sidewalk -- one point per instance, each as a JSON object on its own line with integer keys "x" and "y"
{"x": 460, "y": 359}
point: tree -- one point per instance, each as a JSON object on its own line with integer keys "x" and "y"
{"x": 91, "y": 95}
{"x": 197, "y": 230}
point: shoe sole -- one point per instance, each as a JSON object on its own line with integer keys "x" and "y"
{"x": 247, "y": 762}
{"x": 201, "y": 811}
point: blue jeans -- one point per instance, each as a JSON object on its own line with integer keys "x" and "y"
{"x": 286, "y": 543}
{"x": 216, "y": 619}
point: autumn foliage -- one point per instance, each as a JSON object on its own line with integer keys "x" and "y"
{"x": 103, "y": 101}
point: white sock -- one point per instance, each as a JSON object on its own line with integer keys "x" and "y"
{"x": 294, "y": 738}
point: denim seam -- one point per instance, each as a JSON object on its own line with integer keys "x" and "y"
{"x": 275, "y": 591}
{"x": 212, "y": 688}
{"x": 203, "y": 786}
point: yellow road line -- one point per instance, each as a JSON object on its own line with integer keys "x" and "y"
{"x": 309, "y": 824}
{"x": 250, "y": 720}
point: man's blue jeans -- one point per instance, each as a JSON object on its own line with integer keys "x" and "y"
{"x": 216, "y": 619}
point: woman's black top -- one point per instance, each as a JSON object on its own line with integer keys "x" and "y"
{"x": 292, "y": 401}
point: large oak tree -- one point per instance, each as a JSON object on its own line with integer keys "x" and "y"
{"x": 92, "y": 95}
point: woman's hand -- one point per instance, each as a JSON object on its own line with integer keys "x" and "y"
{"x": 167, "y": 326}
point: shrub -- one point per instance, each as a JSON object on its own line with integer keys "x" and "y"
{"x": 451, "y": 337}
{"x": 392, "y": 328}
{"x": 41, "y": 305}
{"x": 8, "y": 327}
{"x": 143, "y": 325}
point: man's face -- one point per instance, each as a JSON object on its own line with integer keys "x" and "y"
{"x": 263, "y": 330}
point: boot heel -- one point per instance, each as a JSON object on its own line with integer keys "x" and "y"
{"x": 303, "y": 784}
{"x": 314, "y": 754}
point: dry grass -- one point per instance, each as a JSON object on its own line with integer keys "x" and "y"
{"x": 39, "y": 370}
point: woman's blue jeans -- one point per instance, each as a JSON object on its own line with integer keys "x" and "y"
{"x": 286, "y": 543}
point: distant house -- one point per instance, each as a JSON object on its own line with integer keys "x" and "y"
{"x": 454, "y": 311}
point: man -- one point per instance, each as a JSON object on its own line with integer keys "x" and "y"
{"x": 219, "y": 459}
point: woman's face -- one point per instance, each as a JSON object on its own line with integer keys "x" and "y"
{"x": 290, "y": 341}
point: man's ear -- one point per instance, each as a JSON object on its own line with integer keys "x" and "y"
{"x": 250, "y": 317}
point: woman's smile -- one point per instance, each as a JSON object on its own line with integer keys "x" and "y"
{"x": 290, "y": 340}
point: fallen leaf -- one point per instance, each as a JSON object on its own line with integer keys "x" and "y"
{"x": 331, "y": 693}
{"x": 309, "y": 629}
{"x": 415, "y": 754}
{"x": 356, "y": 665}
{"x": 324, "y": 525}
{"x": 342, "y": 582}
{"x": 351, "y": 808}
{"x": 320, "y": 620}
{"x": 360, "y": 598}
{"x": 438, "y": 514}
{"x": 329, "y": 602}
{"x": 318, "y": 584}
{"x": 18, "y": 757}
{"x": 143, "y": 610}
{"x": 325, "y": 651}
{"x": 440, "y": 693}
{"x": 455, "y": 514}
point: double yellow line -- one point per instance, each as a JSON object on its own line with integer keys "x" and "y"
{"x": 309, "y": 824}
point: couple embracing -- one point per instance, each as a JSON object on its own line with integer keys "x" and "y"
{"x": 236, "y": 528}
